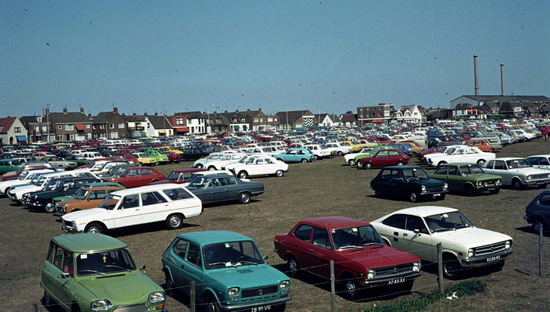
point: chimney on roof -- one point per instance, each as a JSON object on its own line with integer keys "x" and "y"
{"x": 501, "y": 79}
{"x": 65, "y": 110}
{"x": 115, "y": 110}
{"x": 145, "y": 114}
{"x": 82, "y": 110}
{"x": 476, "y": 86}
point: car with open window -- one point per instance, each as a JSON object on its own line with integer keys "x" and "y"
{"x": 229, "y": 271}
{"x": 94, "y": 272}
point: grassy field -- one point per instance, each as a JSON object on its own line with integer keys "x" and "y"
{"x": 322, "y": 188}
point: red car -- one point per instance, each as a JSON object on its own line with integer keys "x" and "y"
{"x": 361, "y": 259}
{"x": 384, "y": 158}
{"x": 179, "y": 176}
{"x": 137, "y": 176}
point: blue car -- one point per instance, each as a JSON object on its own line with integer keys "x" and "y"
{"x": 296, "y": 155}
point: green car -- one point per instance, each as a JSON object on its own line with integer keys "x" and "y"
{"x": 469, "y": 179}
{"x": 95, "y": 272}
{"x": 228, "y": 269}
{"x": 9, "y": 165}
{"x": 161, "y": 158}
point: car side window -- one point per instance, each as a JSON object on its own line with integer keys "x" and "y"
{"x": 303, "y": 232}
{"x": 544, "y": 161}
{"x": 490, "y": 164}
{"x": 499, "y": 164}
{"x": 177, "y": 194}
{"x": 393, "y": 153}
{"x": 320, "y": 238}
{"x": 97, "y": 195}
{"x": 385, "y": 175}
{"x": 415, "y": 223}
{"x": 58, "y": 257}
{"x": 441, "y": 170}
{"x": 396, "y": 221}
{"x": 130, "y": 201}
{"x": 146, "y": 171}
{"x": 151, "y": 198}
{"x": 545, "y": 200}
{"x": 453, "y": 171}
{"x": 132, "y": 173}
{"x": 194, "y": 255}
{"x": 180, "y": 247}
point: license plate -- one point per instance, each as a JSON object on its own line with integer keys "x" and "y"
{"x": 491, "y": 189}
{"x": 493, "y": 259}
{"x": 260, "y": 309}
{"x": 435, "y": 195}
{"x": 396, "y": 281}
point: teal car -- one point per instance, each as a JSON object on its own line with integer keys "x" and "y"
{"x": 161, "y": 158}
{"x": 302, "y": 155}
{"x": 9, "y": 165}
{"x": 228, "y": 269}
{"x": 95, "y": 272}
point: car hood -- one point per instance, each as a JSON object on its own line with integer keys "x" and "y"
{"x": 429, "y": 182}
{"x": 379, "y": 256}
{"x": 49, "y": 194}
{"x": 248, "y": 276}
{"x": 115, "y": 287}
{"x": 471, "y": 237}
{"x": 82, "y": 214}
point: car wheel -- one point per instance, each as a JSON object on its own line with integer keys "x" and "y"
{"x": 242, "y": 175}
{"x": 481, "y": 162}
{"x": 538, "y": 225}
{"x": 351, "y": 162}
{"x": 304, "y": 160}
{"x": 168, "y": 284}
{"x": 400, "y": 163}
{"x": 244, "y": 198}
{"x": 469, "y": 190}
{"x": 413, "y": 198}
{"x": 279, "y": 173}
{"x": 293, "y": 267}
{"x": 199, "y": 166}
{"x": 49, "y": 207}
{"x": 315, "y": 157}
{"x": 211, "y": 168}
{"x": 174, "y": 221}
{"x": 407, "y": 286}
{"x": 451, "y": 267}
{"x": 498, "y": 267}
{"x": 94, "y": 227}
{"x": 441, "y": 163}
{"x": 279, "y": 159}
{"x": 211, "y": 305}
{"x": 360, "y": 165}
{"x": 368, "y": 166}
{"x": 516, "y": 184}
{"x": 48, "y": 301}
{"x": 378, "y": 193}
{"x": 340, "y": 153}
{"x": 75, "y": 307}
{"x": 349, "y": 287}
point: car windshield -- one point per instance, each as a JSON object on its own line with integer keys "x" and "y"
{"x": 415, "y": 174}
{"x": 105, "y": 262}
{"x": 231, "y": 254}
{"x": 173, "y": 176}
{"x": 110, "y": 202}
{"x": 59, "y": 185}
{"x": 518, "y": 163}
{"x": 355, "y": 237}
{"x": 471, "y": 169}
{"x": 447, "y": 221}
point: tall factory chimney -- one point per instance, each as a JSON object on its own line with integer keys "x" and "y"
{"x": 476, "y": 86}
{"x": 501, "y": 79}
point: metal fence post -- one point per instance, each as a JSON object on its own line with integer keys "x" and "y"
{"x": 332, "y": 288}
{"x": 540, "y": 250}
{"x": 440, "y": 267}
{"x": 192, "y": 295}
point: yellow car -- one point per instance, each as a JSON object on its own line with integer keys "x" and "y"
{"x": 144, "y": 160}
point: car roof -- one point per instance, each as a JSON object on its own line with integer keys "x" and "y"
{"x": 189, "y": 170}
{"x": 212, "y": 237}
{"x": 87, "y": 242}
{"x": 102, "y": 187}
{"x": 147, "y": 188}
{"x": 424, "y": 211}
{"x": 401, "y": 167}
{"x": 542, "y": 155}
{"x": 508, "y": 158}
{"x": 334, "y": 222}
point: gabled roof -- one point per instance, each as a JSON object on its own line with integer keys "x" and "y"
{"x": 348, "y": 118}
{"x": 25, "y": 120}
{"x": 104, "y": 117}
{"x": 291, "y": 117}
{"x": 69, "y": 117}
{"x": 5, "y": 124}
{"x": 193, "y": 115}
{"x": 159, "y": 122}
{"x": 135, "y": 118}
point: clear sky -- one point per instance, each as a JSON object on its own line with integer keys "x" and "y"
{"x": 325, "y": 56}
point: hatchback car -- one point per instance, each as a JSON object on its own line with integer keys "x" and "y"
{"x": 469, "y": 179}
{"x": 137, "y": 176}
{"x": 383, "y": 158}
{"x": 538, "y": 212}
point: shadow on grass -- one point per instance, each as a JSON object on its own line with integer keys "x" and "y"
{"x": 529, "y": 229}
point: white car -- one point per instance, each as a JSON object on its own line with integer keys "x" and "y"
{"x": 337, "y": 148}
{"x": 202, "y": 162}
{"x": 318, "y": 151}
{"x": 518, "y": 172}
{"x": 418, "y": 230}
{"x": 462, "y": 154}
{"x": 539, "y": 161}
{"x": 258, "y": 166}
{"x": 170, "y": 203}
{"x": 30, "y": 177}
{"x": 223, "y": 160}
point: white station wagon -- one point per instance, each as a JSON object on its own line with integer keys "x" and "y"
{"x": 418, "y": 230}
{"x": 170, "y": 203}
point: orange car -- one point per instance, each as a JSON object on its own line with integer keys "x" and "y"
{"x": 482, "y": 144}
{"x": 91, "y": 199}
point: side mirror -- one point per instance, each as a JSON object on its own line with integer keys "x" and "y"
{"x": 143, "y": 267}
{"x": 416, "y": 231}
{"x": 266, "y": 257}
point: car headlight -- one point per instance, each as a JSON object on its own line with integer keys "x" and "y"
{"x": 445, "y": 186}
{"x": 479, "y": 183}
{"x": 470, "y": 253}
{"x": 528, "y": 178}
{"x": 233, "y": 291}
{"x": 156, "y": 297}
{"x": 284, "y": 284}
{"x": 101, "y": 305}
{"x": 424, "y": 189}
{"x": 65, "y": 207}
{"x": 498, "y": 181}
{"x": 371, "y": 274}
{"x": 417, "y": 266}
{"x": 508, "y": 244}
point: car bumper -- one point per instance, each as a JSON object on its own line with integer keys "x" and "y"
{"x": 486, "y": 259}
{"x": 266, "y": 305}
{"x": 537, "y": 182}
{"x": 392, "y": 280}
{"x": 69, "y": 229}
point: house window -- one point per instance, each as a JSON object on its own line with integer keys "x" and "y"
{"x": 94, "y": 127}
{"x": 121, "y": 126}
{"x": 59, "y": 137}
{"x": 60, "y": 127}
{"x": 179, "y": 121}
{"x": 101, "y": 126}
{"x": 111, "y": 126}
{"x": 44, "y": 128}
{"x": 69, "y": 127}
{"x": 17, "y": 129}
{"x": 87, "y": 126}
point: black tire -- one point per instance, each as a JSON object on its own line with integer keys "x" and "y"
{"x": 315, "y": 157}
{"x": 348, "y": 287}
{"x": 49, "y": 207}
{"x": 497, "y": 267}
{"x": 174, "y": 221}
{"x": 94, "y": 227}
{"x": 406, "y": 287}
{"x": 211, "y": 168}
{"x": 169, "y": 287}
{"x": 495, "y": 191}
{"x": 292, "y": 266}
{"x": 244, "y": 198}
{"x": 360, "y": 165}
{"x": 441, "y": 197}
{"x": 199, "y": 166}
{"x": 304, "y": 160}
{"x": 413, "y": 197}
{"x": 368, "y": 166}
{"x": 400, "y": 163}
{"x": 451, "y": 267}
{"x": 351, "y": 162}
{"x": 516, "y": 184}
{"x": 537, "y": 225}
{"x": 279, "y": 173}
{"x": 48, "y": 301}
{"x": 210, "y": 304}
{"x": 441, "y": 163}
{"x": 75, "y": 307}
{"x": 242, "y": 174}
{"x": 378, "y": 193}
{"x": 481, "y": 162}
{"x": 469, "y": 190}
{"x": 340, "y": 153}
{"x": 542, "y": 186}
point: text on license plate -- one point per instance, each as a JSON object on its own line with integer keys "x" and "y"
{"x": 435, "y": 195}
{"x": 260, "y": 309}
{"x": 396, "y": 281}
{"x": 493, "y": 259}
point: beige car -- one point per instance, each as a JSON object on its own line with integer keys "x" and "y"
{"x": 93, "y": 197}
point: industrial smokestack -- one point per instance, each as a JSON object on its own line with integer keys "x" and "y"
{"x": 476, "y": 86}
{"x": 501, "y": 79}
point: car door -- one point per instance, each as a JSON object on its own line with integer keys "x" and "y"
{"x": 320, "y": 252}
{"x": 128, "y": 211}
{"x": 231, "y": 188}
{"x": 260, "y": 167}
{"x": 191, "y": 268}
{"x": 58, "y": 274}
{"x": 178, "y": 263}
{"x": 396, "y": 183}
{"x": 153, "y": 207}
{"x": 416, "y": 239}
{"x": 132, "y": 178}
{"x": 500, "y": 168}
{"x": 300, "y": 245}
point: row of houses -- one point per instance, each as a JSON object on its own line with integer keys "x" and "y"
{"x": 68, "y": 126}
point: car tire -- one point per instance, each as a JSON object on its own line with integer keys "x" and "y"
{"x": 360, "y": 165}
{"x": 413, "y": 197}
{"x": 441, "y": 163}
{"x": 304, "y": 160}
{"x": 242, "y": 174}
{"x": 537, "y": 225}
{"x": 368, "y": 166}
{"x": 279, "y": 173}
{"x": 199, "y": 166}
{"x": 280, "y": 159}
{"x": 400, "y": 163}
{"x": 210, "y": 304}
{"x": 498, "y": 267}
{"x": 75, "y": 307}
{"x": 94, "y": 227}
{"x": 406, "y": 287}
{"x": 542, "y": 186}
{"x": 315, "y": 157}
{"x": 441, "y": 197}
{"x": 244, "y": 198}
{"x": 340, "y": 153}
{"x": 469, "y": 190}
{"x": 211, "y": 168}
{"x": 293, "y": 267}
{"x": 348, "y": 287}
{"x": 168, "y": 284}
{"x": 48, "y": 301}
{"x": 174, "y": 221}
{"x": 49, "y": 207}
{"x": 351, "y": 162}
{"x": 516, "y": 184}
{"x": 494, "y": 191}
{"x": 481, "y": 162}
{"x": 378, "y": 193}
{"x": 451, "y": 267}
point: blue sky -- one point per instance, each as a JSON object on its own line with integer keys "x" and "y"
{"x": 325, "y": 56}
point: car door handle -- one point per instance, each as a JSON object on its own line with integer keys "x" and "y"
{"x": 396, "y": 233}
{"x": 405, "y": 234}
